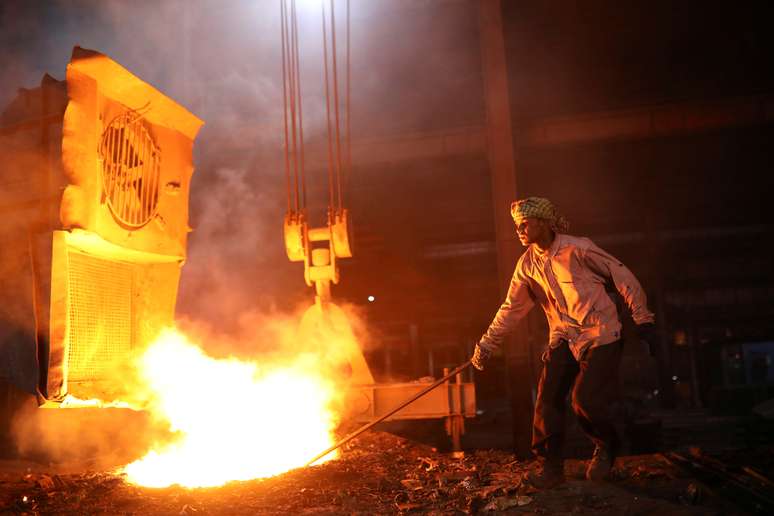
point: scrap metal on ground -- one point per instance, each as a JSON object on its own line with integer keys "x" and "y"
{"x": 380, "y": 473}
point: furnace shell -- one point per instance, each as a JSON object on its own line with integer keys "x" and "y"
{"x": 96, "y": 176}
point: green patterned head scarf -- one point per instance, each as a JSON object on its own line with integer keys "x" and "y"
{"x": 541, "y": 208}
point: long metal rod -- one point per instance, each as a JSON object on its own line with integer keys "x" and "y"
{"x": 409, "y": 401}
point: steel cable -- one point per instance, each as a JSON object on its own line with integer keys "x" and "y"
{"x": 292, "y": 81}
{"x": 300, "y": 109}
{"x": 348, "y": 132}
{"x": 328, "y": 110}
{"x": 283, "y": 30}
{"x": 334, "y": 51}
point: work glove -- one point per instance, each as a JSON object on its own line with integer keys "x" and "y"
{"x": 480, "y": 356}
{"x": 647, "y": 334}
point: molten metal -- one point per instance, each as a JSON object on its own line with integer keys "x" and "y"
{"x": 235, "y": 420}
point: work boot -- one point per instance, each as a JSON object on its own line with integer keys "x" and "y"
{"x": 548, "y": 474}
{"x": 601, "y": 463}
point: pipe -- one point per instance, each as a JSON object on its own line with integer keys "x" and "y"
{"x": 409, "y": 401}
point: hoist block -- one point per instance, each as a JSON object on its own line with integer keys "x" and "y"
{"x": 341, "y": 234}
{"x": 296, "y": 238}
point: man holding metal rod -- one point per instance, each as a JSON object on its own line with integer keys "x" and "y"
{"x": 567, "y": 276}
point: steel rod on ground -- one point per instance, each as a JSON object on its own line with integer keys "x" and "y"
{"x": 409, "y": 401}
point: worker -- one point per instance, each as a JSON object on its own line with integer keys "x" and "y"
{"x": 567, "y": 276}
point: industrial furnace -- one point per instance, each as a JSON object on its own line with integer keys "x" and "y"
{"x": 96, "y": 174}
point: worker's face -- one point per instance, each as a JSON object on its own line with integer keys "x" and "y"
{"x": 531, "y": 230}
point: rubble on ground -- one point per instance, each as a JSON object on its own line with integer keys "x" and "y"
{"x": 378, "y": 473}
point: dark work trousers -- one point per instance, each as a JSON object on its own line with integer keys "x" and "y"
{"x": 594, "y": 384}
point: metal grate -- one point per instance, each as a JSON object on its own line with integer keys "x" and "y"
{"x": 99, "y": 316}
{"x": 130, "y": 170}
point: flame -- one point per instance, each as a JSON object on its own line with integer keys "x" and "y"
{"x": 236, "y": 420}
{"x": 71, "y": 401}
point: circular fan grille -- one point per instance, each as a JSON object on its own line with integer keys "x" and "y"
{"x": 130, "y": 170}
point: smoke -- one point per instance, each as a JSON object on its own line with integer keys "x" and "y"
{"x": 262, "y": 333}
{"x": 228, "y": 256}
{"x": 239, "y": 295}
{"x": 222, "y": 61}
{"x": 21, "y": 25}
{"x": 112, "y": 435}
{"x": 94, "y": 438}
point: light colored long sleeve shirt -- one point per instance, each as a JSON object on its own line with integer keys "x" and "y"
{"x": 568, "y": 281}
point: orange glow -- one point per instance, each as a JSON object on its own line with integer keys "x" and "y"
{"x": 235, "y": 420}
{"x": 71, "y": 401}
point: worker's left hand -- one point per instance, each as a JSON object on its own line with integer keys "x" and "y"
{"x": 480, "y": 357}
{"x": 647, "y": 334}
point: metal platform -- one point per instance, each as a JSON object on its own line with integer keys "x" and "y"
{"x": 452, "y": 401}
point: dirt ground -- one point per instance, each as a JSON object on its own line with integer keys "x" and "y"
{"x": 378, "y": 473}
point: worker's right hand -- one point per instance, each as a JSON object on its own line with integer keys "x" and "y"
{"x": 480, "y": 356}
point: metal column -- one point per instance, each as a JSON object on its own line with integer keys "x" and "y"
{"x": 503, "y": 172}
